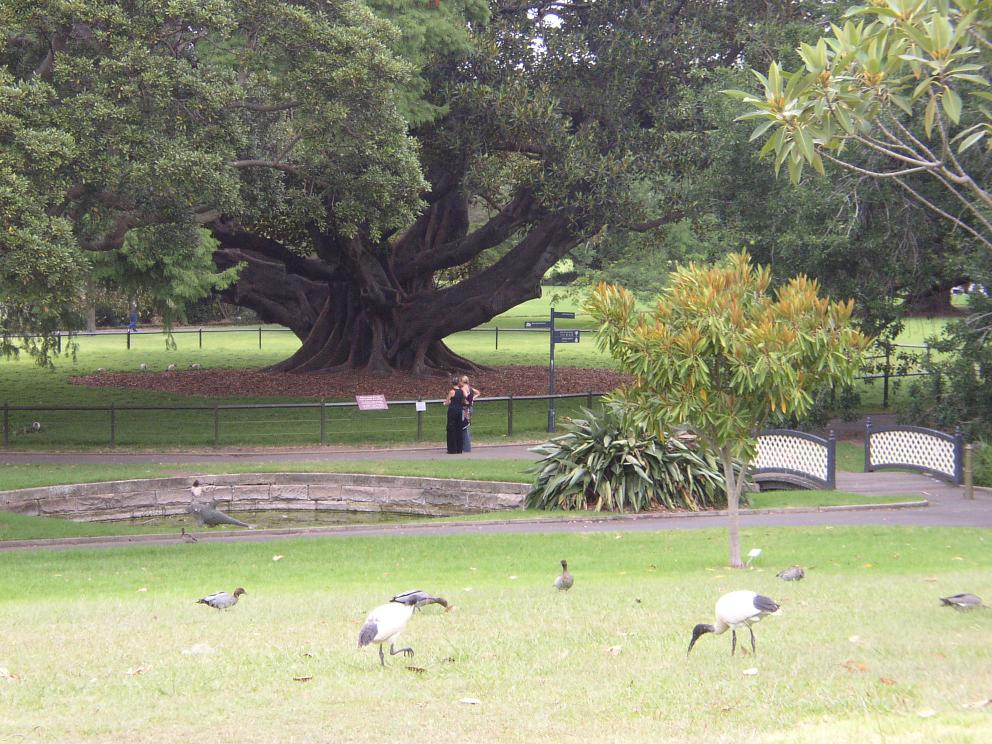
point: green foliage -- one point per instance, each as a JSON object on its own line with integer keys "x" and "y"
{"x": 718, "y": 354}
{"x": 125, "y": 127}
{"x": 892, "y": 65}
{"x": 958, "y": 389}
{"x": 607, "y": 463}
{"x": 982, "y": 463}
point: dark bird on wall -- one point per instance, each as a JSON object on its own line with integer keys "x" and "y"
{"x": 211, "y": 516}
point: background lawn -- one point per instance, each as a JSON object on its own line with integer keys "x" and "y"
{"x": 108, "y": 645}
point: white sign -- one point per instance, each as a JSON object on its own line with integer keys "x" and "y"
{"x": 421, "y": 405}
{"x": 371, "y": 402}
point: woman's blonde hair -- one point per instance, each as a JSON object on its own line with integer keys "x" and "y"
{"x": 464, "y": 380}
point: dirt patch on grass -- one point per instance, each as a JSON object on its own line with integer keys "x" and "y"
{"x": 251, "y": 383}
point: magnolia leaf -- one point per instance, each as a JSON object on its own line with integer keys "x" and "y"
{"x": 952, "y": 104}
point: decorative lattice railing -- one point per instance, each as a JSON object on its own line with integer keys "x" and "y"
{"x": 796, "y": 457}
{"x": 915, "y": 448}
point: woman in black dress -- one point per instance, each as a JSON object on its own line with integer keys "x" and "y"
{"x": 456, "y": 408}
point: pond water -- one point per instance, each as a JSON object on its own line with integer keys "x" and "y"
{"x": 272, "y": 519}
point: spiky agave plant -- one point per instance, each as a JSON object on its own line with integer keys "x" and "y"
{"x": 605, "y": 463}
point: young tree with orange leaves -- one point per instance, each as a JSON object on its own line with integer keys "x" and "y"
{"x": 720, "y": 352}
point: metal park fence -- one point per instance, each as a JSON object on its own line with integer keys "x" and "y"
{"x": 319, "y": 422}
{"x": 256, "y": 332}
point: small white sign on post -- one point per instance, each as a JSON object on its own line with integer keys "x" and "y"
{"x": 421, "y": 405}
{"x": 371, "y": 402}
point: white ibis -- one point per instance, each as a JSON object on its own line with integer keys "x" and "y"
{"x": 143, "y": 367}
{"x": 733, "y": 610}
{"x": 962, "y": 601}
{"x": 194, "y": 365}
{"x": 752, "y": 554}
{"x": 171, "y": 368}
{"x": 795, "y": 573}
{"x": 386, "y": 622}
{"x": 222, "y": 600}
{"x": 564, "y": 582}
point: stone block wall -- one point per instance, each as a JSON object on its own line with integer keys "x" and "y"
{"x": 264, "y": 491}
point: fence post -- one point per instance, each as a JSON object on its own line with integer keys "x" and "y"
{"x": 323, "y": 423}
{"x": 420, "y": 423}
{"x": 497, "y": 338}
{"x": 958, "y": 456}
{"x": 868, "y": 467}
{"x": 59, "y": 337}
{"x": 589, "y": 400}
{"x": 201, "y": 338}
{"x": 128, "y": 338}
{"x": 6, "y": 424}
{"x": 969, "y": 481}
{"x": 885, "y": 376}
{"x": 509, "y": 416}
{"x": 260, "y": 337}
{"x": 216, "y": 426}
{"x": 113, "y": 424}
{"x": 831, "y": 461}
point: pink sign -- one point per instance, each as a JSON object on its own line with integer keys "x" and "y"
{"x": 372, "y": 403}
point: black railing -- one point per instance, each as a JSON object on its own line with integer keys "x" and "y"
{"x": 211, "y": 417}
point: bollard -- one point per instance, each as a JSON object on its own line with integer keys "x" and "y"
{"x": 201, "y": 338}
{"x": 497, "y": 338}
{"x": 969, "y": 479}
{"x": 128, "y": 338}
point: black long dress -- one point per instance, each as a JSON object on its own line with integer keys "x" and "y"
{"x": 455, "y": 411}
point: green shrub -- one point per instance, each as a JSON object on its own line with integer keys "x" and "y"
{"x": 982, "y": 464}
{"x": 605, "y": 464}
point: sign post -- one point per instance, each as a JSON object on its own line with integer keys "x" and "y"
{"x": 556, "y": 337}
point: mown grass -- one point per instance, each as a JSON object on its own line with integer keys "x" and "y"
{"x": 780, "y": 499}
{"x": 861, "y": 650}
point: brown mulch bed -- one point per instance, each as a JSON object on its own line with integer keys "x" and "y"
{"x": 249, "y": 383}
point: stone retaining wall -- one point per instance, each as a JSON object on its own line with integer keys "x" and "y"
{"x": 91, "y": 502}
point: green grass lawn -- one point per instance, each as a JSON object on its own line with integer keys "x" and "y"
{"x": 108, "y": 645}
{"x": 805, "y": 498}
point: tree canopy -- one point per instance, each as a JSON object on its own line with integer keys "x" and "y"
{"x": 376, "y": 191}
{"x": 719, "y": 353}
{"x": 903, "y": 80}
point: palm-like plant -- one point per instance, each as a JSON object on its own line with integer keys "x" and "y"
{"x": 606, "y": 463}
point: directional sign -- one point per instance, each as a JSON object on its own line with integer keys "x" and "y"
{"x": 564, "y": 315}
{"x": 537, "y": 324}
{"x": 566, "y": 337}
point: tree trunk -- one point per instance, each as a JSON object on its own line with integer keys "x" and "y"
{"x": 733, "y": 504}
{"x": 935, "y": 301}
{"x": 376, "y": 307}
